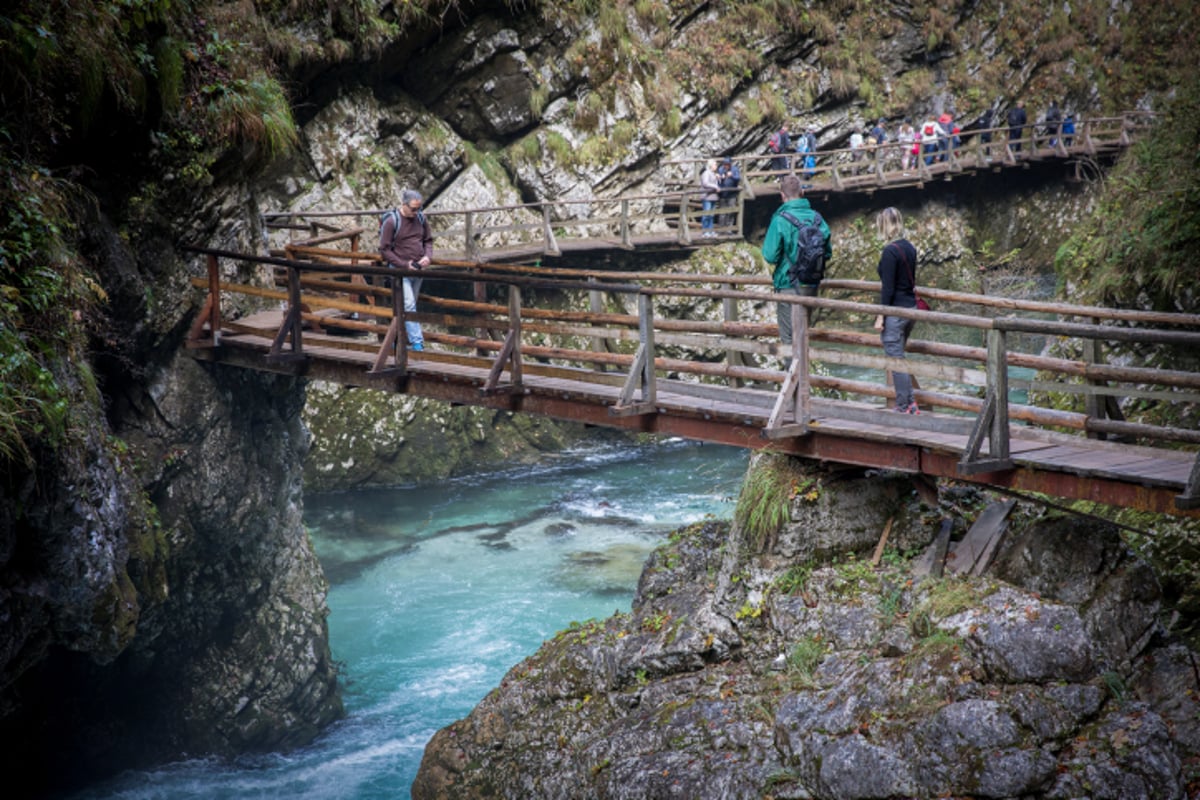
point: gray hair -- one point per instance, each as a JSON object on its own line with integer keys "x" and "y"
{"x": 889, "y": 224}
{"x": 789, "y": 187}
{"x": 409, "y": 195}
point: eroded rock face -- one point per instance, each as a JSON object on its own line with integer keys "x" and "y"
{"x": 196, "y": 628}
{"x": 799, "y": 671}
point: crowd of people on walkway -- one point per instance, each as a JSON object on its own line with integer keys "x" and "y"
{"x": 930, "y": 141}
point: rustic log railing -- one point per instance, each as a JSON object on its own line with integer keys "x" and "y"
{"x": 644, "y": 353}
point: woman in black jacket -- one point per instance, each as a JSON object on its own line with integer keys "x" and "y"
{"x": 897, "y": 273}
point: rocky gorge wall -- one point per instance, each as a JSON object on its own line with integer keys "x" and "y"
{"x": 159, "y": 593}
{"x": 780, "y": 663}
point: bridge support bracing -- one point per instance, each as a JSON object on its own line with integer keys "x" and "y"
{"x": 641, "y": 374}
{"x": 292, "y": 323}
{"x": 1098, "y": 406}
{"x": 685, "y": 218}
{"x": 993, "y": 418}
{"x": 510, "y": 352}
{"x": 793, "y": 397}
{"x": 395, "y": 341}
{"x": 550, "y": 246}
{"x": 1190, "y": 498}
{"x": 210, "y": 314}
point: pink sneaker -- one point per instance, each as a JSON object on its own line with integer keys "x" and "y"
{"x": 911, "y": 408}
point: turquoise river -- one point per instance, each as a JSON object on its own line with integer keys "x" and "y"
{"x": 437, "y": 591}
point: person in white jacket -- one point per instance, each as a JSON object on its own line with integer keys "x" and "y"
{"x": 709, "y": 192}
{"x": 931, "y": 133}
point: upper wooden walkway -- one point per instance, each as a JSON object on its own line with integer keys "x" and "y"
{"x": 720, "y": 381}
{"x": 671, "y": 219}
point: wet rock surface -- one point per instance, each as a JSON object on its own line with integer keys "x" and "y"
{"x": 744, "y": 672}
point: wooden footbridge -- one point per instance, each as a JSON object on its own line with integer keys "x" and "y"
{"x": 657, "y": 364}
{"x": 670, "y": 220}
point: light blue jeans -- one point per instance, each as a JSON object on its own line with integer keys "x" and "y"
{"x": 412, "y": 287}
{"x": 706, "y": 222}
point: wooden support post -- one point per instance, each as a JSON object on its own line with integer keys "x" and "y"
{"x": 550, "y": 246}
{"x": 626, "y": 239}
{"x": 210, "y": 313}
{"x": 741, "y": 214}
{"x": 837, "y": 179}
{"x": 510, "y": 352}
{"x": 732, "y": 357}
{"x": 470, "y": 246}
{"x": 596, "y": 305}
{"x": 479, "y": 293}
{"x": 685, "y": 218}
{"x": 641, "y": 375}
{"x": 292, "y": 323}
{"x": 1093, "y": 404}
{"x": 395, "y": 341}
{"x": 993, "y": 419}
{"x": 794, "y": 394}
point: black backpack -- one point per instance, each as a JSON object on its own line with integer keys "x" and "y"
{"x": 809, "y": 264}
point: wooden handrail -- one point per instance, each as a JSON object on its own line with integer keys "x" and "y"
{"x": 647, "y": 334}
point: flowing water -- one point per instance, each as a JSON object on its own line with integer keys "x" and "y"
{"x": 437, "y": 591}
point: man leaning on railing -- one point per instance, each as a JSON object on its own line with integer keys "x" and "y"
{"x": 405, "y": 242}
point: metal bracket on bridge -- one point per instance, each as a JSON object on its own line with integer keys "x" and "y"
{"x": 1190, "y": 498}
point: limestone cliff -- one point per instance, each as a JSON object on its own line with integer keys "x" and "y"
{"x": 778, "y": 662}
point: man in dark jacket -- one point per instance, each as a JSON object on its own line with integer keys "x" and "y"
{"x": 778, "y": 144}
{"x": 779, "y": 248}
{"x": 405, "y": 242}
{"x": 1016, "y": 124}
{"x": 729, "y": 179}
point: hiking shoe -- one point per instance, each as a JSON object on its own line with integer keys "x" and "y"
{"x": 911, "y": 408}
{"x": 417, "y": 346}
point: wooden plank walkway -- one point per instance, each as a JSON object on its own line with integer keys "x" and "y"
{"x": 844, "y": 431}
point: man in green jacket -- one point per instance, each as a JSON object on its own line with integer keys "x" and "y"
{"x": 780, "y": 250}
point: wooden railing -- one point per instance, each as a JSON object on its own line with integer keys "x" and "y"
{"x": 528, "y": 228}
{"x": 971, "y": 382}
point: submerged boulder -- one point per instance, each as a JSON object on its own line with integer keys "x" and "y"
{"x": 782, "y": 661}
